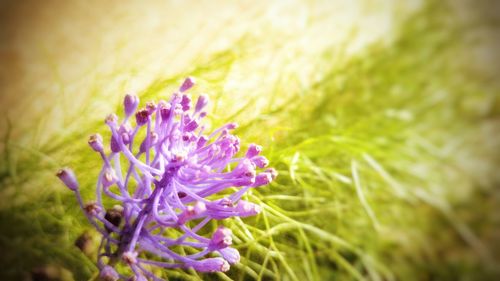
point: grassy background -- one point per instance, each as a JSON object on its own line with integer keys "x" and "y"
{"x": 386, "y": 147}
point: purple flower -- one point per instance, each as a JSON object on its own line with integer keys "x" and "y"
{"x": 165, "y": 182}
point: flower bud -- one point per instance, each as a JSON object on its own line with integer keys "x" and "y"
{"x": 260, "y": 161}
{"x": 253, "y": 150}
{"x": 245, "y": 172}
{"x": 201, "y": 141}
{"x": 95, "y": 142}
{"x": 109, "y": 177}
{"x": 273, "y": 173}
{"x": 111, "y": 120}
{"x": 263, "y": 179}
{"x": 247, "y": 209}
{"x": 164, "y": 110}
{"x": 114, "y": 145}
{"x": 177, "y": 110}
{"x": 191, "y": 126}
{"x": 130, "y": 103}
{"x": 231, "y": 126}
{"x": 192, "y": 212}
{"x": 188, "y": 83}
{"x": 221, "y": 238}
{"x": 142, "y": 117}
{"x": 231, "y": 255}
{"x": 201, "y": 103}
{"x": 186, "y": 102}
{"x": 211, "y": 265}
{"x": 221, "y": 209}
{"x": 92, "y": 209}
{"x": 125, "y": 131}
{"x": 108, "y": 274}
{"x": 67, "y": 176}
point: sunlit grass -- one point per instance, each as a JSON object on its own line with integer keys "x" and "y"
{"x": 374, "y": 160}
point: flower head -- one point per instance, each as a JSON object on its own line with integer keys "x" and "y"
{"x": 168, "y": 180}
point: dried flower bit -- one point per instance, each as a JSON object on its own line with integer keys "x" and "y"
{"x": 130, "y": 103}
{"x": 67, "y": 176}
{"x": 48, "y": 272}
{"x": 92, "y": 209}
{"x": 114, "y": 216}
{"x": 187, "y": 84}
{"x": 84, "y": 243}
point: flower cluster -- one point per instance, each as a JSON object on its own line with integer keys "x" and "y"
{"x": 167, "y": 184}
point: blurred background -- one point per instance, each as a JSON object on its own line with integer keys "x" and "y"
{"x": 381, "y": 116}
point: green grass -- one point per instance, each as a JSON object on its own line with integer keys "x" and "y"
{"x": 386, "y": 169}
